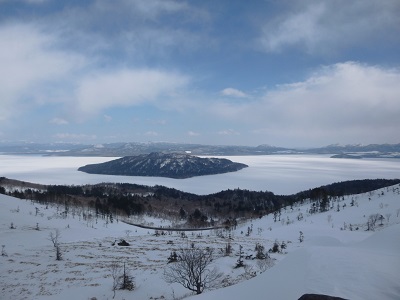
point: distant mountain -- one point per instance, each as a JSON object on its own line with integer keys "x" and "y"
{"x": 344, "y": 155}
{"x": 359, "y": 151}
{"x": 38, "y": 148}
{"x": 128, "y": 149}
{"x": 135, "y": 148}
{"x": 173, "y": 165}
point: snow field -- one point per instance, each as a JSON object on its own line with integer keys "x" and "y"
{"x": 355, "y": 264}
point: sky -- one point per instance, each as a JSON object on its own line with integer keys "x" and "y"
{"x": 228, "y": 72}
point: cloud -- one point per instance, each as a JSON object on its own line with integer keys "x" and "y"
{"x": 160, "y": 122}
{"x": 127, "y": 87}
{"x": 156, "y": 7}
{"x": 35, "y": 72}
{"x": 26, "y": 1}
{"x": 228, "y": 132}
{"x": 134, "y": 30}
{"x": 58, "y": 121}
{"x": 192, "y": 133}
{"x": 299, "y": 28}
{"x": 36, "y": 1}
{"x": 151, "y": 133}
{"x": 233, "y": 93}
{"x": 107, "y": 118}
{"x": 345, "y": 102}
{"x": 324, "y": 26}
{"x": 31, "y": 68}
{"x": 83, "y": 60}
{"x": 75, "y": 137}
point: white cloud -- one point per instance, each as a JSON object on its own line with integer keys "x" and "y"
{"x": 157, "y": 122}
{"x": 233, "y": 93}
{"x": 33, "y": 73}
{"x": 75, "y": 137}
{"x": 228, "y": 132}
{"x": 151, "y": 133}
{"x": 107, "y": 118}
{"x": 30, "y": 66}
{"x": 126, "y": 88}
{"x": 297, "y": 28}
{"x": 58, "y": 121}
{"x": 325, "y": 26}
{"x": 140, "y": 28}
{"x": 36, "y": 1}
{"x": 26, "y": 1}
{"x": 346, "y": 102}
{"x": 192, "y": 133}
{"x": 156, "y": 7}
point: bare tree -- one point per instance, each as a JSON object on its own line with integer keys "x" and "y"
{"x": 264, "y": 264}
{"x": 121, "y": 278}
{"x": 192, "y": 270}
{"x": 329, "y": 218}
{"x": 249, "y": 272}
{"x": 115, "y": 274}
{"x": 3, "y": 251}
{"x": 54, "y": 237}
{"x": 372, "y": 221}
{"x": 388, "y": 215}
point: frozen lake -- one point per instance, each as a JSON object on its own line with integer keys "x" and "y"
{"x": 280, "y": 174}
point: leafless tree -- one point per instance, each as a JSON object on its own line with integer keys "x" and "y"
{"x": 192, "y": 270}
{"x": 121, "y": 278}
{"x": 54, "y": 237}
{"x": 3, "y": 251}
{"x": 388, "y": 215}
{"x": 329, "y": 218}
{"x": 115, "y": 274}
{"x": 249, "y": 272}
{"x": 372, "y": 221}
{"x": 264, "y": 264}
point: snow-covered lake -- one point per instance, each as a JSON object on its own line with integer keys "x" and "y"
{"x": 281, "y": 174}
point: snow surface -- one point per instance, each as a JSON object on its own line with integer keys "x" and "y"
{"x": 332, "y": 260}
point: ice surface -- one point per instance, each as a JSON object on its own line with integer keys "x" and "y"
{"x": 281, "y": 174}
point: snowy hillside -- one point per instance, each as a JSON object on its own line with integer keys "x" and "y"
{"x": 337, "y": 257}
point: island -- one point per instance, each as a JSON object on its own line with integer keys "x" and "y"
{"x": 158, "y": 164}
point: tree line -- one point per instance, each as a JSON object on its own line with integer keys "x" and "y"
{"x": 199, "y": 210}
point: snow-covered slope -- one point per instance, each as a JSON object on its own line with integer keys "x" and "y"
{"x": 365, "y": 270}
{"x": 332, "y": 259}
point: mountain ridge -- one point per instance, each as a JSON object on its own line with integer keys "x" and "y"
{"x": 136, "y": 148}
